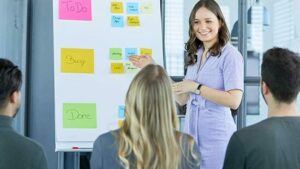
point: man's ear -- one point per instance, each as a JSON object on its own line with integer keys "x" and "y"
{"x": 265, "y": 88}
{"x": 14, "y": 97}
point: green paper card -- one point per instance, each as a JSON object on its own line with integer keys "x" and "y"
{"x": 79, "y": 115}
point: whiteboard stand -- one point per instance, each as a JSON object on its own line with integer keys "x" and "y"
{"x": 60, "y": 160}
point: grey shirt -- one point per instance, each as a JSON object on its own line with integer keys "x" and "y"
{"x": 271, "y": 144}
{"x": 105, "y": 153}
{"x": 18, "y": 152}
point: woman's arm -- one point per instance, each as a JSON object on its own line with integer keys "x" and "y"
{"x": 144, "y": 60}
{"x": 231, "y": 98}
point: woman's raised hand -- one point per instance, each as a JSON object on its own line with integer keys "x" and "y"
{"x": 140, "y": 61}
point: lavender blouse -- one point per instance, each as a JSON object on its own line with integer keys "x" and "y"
{"x": 209, "y": 123}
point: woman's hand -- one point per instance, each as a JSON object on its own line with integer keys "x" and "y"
{"x": 184, "y": 86}
{"x": 140, "y": 61}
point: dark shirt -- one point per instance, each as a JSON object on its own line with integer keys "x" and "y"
{"x": 16, "y": 151}
{"x": 271, "y": 144}
{"x": 105, "y": 153}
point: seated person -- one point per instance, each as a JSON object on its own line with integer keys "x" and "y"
{"x": 16, "y": 151}
{"x": 148, "y": 138}
{"x": 273, "y": 143}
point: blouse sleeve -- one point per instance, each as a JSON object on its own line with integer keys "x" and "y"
{"x": 233, "y": 71}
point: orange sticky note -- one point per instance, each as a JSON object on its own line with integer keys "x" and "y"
{"x": 117, "y": 68}
{"x": 75, "y": 60}
{"x": 117, "y": 7}
{"x": 146, "y": 51}
{"x": 133, "y": 21}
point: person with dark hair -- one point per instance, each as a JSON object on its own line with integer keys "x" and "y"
{"x": 273, "y": 143}
{"x": 213, "y": 83}
{"x": 16, "y": 151}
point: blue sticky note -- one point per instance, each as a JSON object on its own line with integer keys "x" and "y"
{"x": 129, "y": 52}
{"x": 117, "y": 21}
{"x": 132, "y": 8}
{"x": 121, "y": 113}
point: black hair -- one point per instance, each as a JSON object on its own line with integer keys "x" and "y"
{"x": 10, "y": 80}
{"x": 280, "y": 71}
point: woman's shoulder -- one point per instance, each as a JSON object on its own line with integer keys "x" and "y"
{"x": 230, "y": 49}
{"x": 107, "y": 138}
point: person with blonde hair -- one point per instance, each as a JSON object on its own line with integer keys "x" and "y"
{"x": 149, "y": 137}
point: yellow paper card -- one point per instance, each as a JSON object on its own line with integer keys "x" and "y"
{"x": 117, "y": 7}
{"x": 120, "y": 123}
{"x": 74, "y": 60}
{"x": 146, "y": 51}
{"x": 146, "y": 8}
{"x": 133, "y": 21}
{"x": 117, "y": 68}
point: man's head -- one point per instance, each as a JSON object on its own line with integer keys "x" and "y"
{"x": 280, "y": 75}
{"x": 10, "y": 84}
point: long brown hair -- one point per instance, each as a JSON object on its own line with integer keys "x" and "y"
{"x": 193, "y": 44}
{"x": 148, "y": 137}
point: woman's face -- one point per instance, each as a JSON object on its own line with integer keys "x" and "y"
{"x": 206, "y": 26}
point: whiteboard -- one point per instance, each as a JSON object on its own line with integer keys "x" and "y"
{"x": 92, "y": 39}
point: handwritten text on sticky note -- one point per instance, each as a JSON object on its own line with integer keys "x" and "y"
{"x": 146, "y": 8}
{"x": 146, "y": 51}
{"x": 117, "y": 68}
{"x": 117, "y": 21}
{"x": 117, "y": 7}
{"x": 133, "y": 21}
{"x": 74, "y": 60}
{"x": 79, "y": 115}
{"x": 132, "y": 8}
{"x": 115, "y": 53}
{"x": 75, "y": 10}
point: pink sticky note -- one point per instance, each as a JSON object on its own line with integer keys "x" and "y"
{"x": 75, "y": 10}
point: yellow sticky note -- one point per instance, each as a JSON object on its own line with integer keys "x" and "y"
{"x": 146, "y": 51}
{"x": 117, "y": 7}
{"x": 146, "y": 8}
{"x": 133, "y": 21}
{"x": 120, "y": 123}
{"x": 75, "y": 60}
{"x": 117, "y": 68}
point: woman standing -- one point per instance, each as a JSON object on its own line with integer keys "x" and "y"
{"x": 213, "y": 83}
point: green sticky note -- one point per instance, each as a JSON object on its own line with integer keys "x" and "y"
{"x": 115, "y": 53}
{"x": 79, "y": 115}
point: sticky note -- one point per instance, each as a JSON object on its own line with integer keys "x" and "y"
{"x": 121, "y": 112}
{"x": 120, "y": 123}
{"x": 117, "y": 21}
{"x": 129, "y": 52}
{"x": 117, "y": 68}
{"x": 115, "y": 53}
{"x": 146, "y": 8}
{"x": 75, "y": 60}
{"x": 133, "y": 21}
{"x": 132, "y": 8}
{"x": 75, "y": 10}
{"x": 79, "y": 115}
{"x": 146, "y": 51}
{"x": 130, "y": 68}
{"x": 117, "y": 7}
